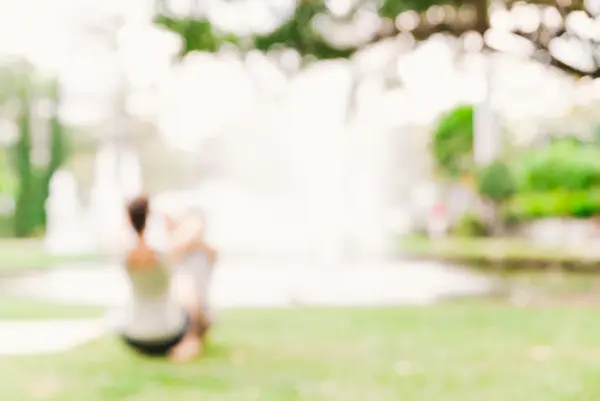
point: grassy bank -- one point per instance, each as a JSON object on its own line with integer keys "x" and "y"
{"x": 500, "y": 253}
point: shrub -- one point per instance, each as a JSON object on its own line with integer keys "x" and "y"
{"x": 496, "y": 182}
{"x": 561, "y": 165}
{"x": 452, "y": 144}
{"x": 470, "y": 225}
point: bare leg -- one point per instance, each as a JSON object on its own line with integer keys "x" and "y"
{"x": 189, "y": 348}
{"x": 203, "y": 323}
{"x": 190, "y": 345}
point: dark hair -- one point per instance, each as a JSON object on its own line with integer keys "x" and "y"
{"x": 137, "y": 211}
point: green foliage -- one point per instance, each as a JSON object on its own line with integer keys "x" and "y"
{"x": 298, "y": 33}
{"x": 23, "y": 220}
{"x": 559, "y": 179}
{"x": 58, "y": 149}
{"x": 529, "y": 206}
{"x": 496, "y": 182}
{"x": 6, "y": 226}
{"x": 196, "y": 34}
{"x": 470, "y": 225}
{"x": 561, "y": 165}
{"x": 38, "y": 201}
{"x": 199, "y": 34}
{"x": 8, "y": 181}
{"x": 33, "y": 183}
{"x": 391, "y": 8}
{"x": 452, "y": 144}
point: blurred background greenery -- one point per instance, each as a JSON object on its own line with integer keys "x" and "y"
{"x": 558, "y": 176}
{"x": 25, "y": 175}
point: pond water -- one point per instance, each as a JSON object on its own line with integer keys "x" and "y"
{"x": 271, "y": 283}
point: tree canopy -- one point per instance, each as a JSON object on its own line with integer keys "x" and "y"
{"x": 562, "y": 33}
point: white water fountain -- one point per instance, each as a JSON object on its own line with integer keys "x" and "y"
{"x": 288, "y": 179}
{"x": 317, "y": 142}
{"x": 117, "y": 177}
{"x": 66, "y": 232}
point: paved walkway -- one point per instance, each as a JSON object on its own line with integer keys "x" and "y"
{"x": 47, "y": 336}
{"x": 237, "y": 284}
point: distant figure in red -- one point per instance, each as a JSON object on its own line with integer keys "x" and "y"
{"x": 437, "y": 221}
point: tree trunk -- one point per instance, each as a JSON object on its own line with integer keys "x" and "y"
{"x": 493, "y": 211}
{"x": 482, "y": 23}
{"x": 24, "y": 217}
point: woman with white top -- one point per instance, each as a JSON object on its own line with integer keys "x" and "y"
{"x": 155, "y": 323}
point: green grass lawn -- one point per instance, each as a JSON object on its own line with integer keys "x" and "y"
{"x": 463, "y": 351}
{"x": 12, "y": 308}
{"x": 24, "y": 254}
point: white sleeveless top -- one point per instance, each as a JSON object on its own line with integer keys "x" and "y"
{"x": 153, "y": 314}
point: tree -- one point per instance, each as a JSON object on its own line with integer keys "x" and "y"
{"x": 33, "y": 182}
{"x": 58, "y": 148}
{"x": 24, "y": 222}
{"x": 557, "y": 29}
{"x": 496, "y": 185}
{"x": 550, "y": 28}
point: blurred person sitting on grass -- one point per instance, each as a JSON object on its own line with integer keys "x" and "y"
{"x": 155, "y": 322}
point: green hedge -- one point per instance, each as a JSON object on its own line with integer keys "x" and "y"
{"x": 529, "y": 206}
{"x": 562, "y": 165}
{"x": 558, "y": 179}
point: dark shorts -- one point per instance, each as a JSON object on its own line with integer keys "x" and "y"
{"x": 157, "y": 348}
